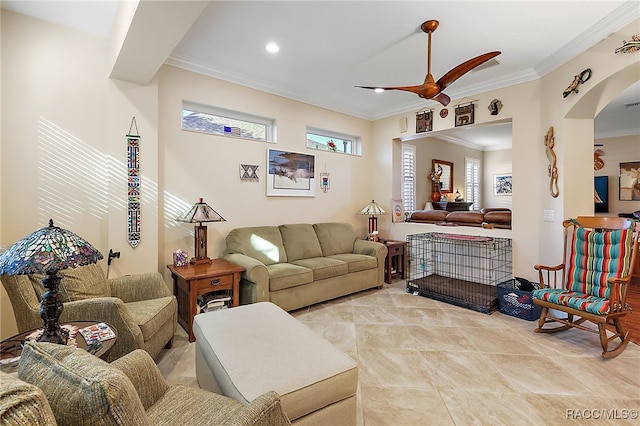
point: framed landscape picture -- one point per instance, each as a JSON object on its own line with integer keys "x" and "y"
{"x": 290, "y": 174}
{"x": 630, "y": 181}
{"x": 502, "y": 185}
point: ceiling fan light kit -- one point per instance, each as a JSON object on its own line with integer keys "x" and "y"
{"x": 431, "y": 89}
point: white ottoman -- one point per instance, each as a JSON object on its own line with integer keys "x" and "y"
{"x": 245, "y": 351}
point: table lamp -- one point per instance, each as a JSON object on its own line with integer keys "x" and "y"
{"x": 199, "y": 213}
{"x": 372, "y": 209}
{"x": 46, "y": 251}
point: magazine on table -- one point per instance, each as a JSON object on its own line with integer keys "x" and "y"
{"x": 99, "y": 331}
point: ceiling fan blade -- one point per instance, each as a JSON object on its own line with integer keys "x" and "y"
{"x": 412, "y": 89}
{"x": 464, "y": 68}
{"x": 442, "y": 98}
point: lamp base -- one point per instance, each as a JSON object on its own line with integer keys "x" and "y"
{"x": 200, "y": 260}
{"x": 51, "y": 308}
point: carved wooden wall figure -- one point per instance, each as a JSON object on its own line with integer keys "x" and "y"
{"x": 598, "y": 162}
{"x": 549, "y": 142}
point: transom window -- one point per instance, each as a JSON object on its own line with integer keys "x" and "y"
{"x": 327, "y": 140}
{"x": 218, "y": 121}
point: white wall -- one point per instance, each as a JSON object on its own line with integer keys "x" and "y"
{"x": 54, "y": 133}
{"x": 201, "y": 165}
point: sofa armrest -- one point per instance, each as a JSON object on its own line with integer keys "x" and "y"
{"x": 23, "y": 404}
{"x": 264, "y": 410}
{"x": 371, "y": 248}
{"x": 143, "y": 372}
{"x": 134, "y": 288}
{"x": 112, "y": 311}
{"x": 255, "y": 272}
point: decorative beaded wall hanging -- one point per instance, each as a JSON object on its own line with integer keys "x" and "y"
{"x": 133, "y": 167}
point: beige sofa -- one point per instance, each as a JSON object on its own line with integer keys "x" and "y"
{"x": 60, "y": 384}
{"x": 298, "y": 265}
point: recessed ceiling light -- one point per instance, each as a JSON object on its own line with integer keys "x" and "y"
{"x": 378, "y": 90}
{"x": 272, "y": 48}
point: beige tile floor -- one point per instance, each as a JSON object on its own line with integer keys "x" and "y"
{"x": 424, "y": 362}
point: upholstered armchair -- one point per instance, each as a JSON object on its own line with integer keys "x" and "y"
{"x": 140, "y": 307}
{"x": 82, "y": 389}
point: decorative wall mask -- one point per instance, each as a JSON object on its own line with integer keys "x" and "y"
{"x": 549, "y": 142}
{"x": 495, "y": 106}
{"x": 630, "y": 46}
{"x": 578, "y": 79}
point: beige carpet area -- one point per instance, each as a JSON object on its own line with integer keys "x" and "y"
{"x": 424, "y": 362}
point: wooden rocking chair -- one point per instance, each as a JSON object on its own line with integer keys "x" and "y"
{"x": 591, "y": 283}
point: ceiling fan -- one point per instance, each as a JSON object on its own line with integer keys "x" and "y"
{"x": 432, "y": 89}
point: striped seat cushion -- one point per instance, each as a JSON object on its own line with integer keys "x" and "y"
{"x": 593, "y": 258}
{"x": 573, "y": 299}
{"x": 596, "y": 257}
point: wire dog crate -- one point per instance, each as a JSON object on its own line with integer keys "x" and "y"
{"x": 463, "y": 270}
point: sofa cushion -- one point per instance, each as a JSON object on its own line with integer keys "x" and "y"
{"x": 83, "y": 282}
{"x": 300, "y": 241}
{"x": 498, "y": 217}
{"x": 324, "y": 267}
{"x": 466, "y": 217}
{"x": 80, "y": 387}
{"x": 263, "y": 243}
{"x": 357, "y": 262}
{"x": 152, "y": 315}
{"x": 335, "y": 238}
{"x": 287, "y": 275}
{"x": 429, "y": 215}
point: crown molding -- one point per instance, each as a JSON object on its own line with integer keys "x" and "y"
{"x": 622, "y": 16}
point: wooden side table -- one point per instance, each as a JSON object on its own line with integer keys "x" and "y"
{"x": 191, "y": 281}
{"x": 395, "y": 262}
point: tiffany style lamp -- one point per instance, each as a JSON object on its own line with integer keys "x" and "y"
{"x": 372, "y": 209}
{"x": 46, "y": 251}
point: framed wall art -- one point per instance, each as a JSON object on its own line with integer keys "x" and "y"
{"x": 502, "y": 185}
{"x": 630, "y": 181}
{"x": 290, "y": 174}
{"x": 424, "y": 121}
{"x": 398, "y": 211}
{"x": 464, "y": 115}
{"x": 249, "y": 172}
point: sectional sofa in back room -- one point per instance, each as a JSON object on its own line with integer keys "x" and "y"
{"x": 298, "y": 265}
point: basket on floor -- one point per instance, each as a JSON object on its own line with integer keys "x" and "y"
{"x": 516, "y": 302}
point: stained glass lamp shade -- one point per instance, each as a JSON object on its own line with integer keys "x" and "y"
{"x": 372, "y": 209}
{"x": 199, "y": 213}
{"x": 46, "y": 251}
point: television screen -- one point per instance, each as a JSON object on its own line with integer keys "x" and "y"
{"x": 601, "y": 194}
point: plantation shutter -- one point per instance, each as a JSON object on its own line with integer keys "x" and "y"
{"x": 472, "y": 181}
{"x": 409, "y": 177}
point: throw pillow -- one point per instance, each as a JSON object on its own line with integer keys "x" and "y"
{"x": 81, "y": 388}
{"x": 84, "y": 282}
